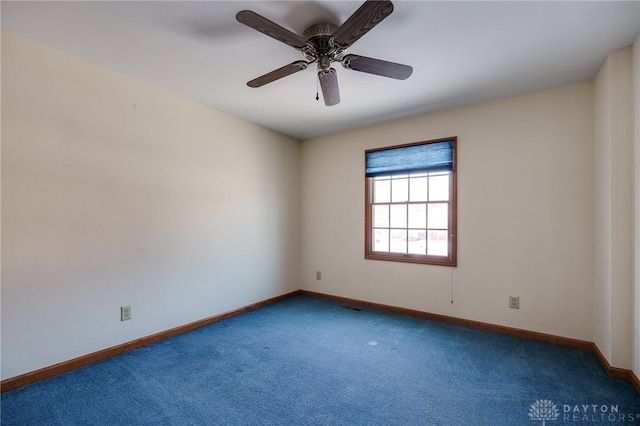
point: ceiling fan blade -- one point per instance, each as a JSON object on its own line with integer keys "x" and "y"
{"x": 329, "y": 84}
{"x": 277, "y": 74}
{"x": 377, "y": 67}
{"x": 265, "y": 26}
{"x": 370, "y": 14}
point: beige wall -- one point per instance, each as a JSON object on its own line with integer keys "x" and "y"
{"x": 116, "y": 193}
{"x": 613, "y": 204}
{"x": 602, "y": 210}
{"x": 525, "y": 214}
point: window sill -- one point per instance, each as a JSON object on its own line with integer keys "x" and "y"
{"x": 412, "y": 258}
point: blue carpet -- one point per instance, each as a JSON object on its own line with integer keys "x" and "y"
{"x": 306, "y": 361}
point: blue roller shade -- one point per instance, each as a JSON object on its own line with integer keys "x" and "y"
{"x": 421, "y": 158}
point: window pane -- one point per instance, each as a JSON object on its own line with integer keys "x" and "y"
{"x": 381, "y": 191}
{"x": 417, "y": 215}
{"x": 438, "y": 215}
{"x": 381, "y": 216}
{"x": 418, "y": 189}
{"x": 400, "y": 190}
{"x": 417, "y": 241}
{"x": 439, "y": 188}
{"x": 437, "y": 244}
{"x": 381, "y": 240}
{"x": 398, "y": 216}
{"x": 398, "y": 241}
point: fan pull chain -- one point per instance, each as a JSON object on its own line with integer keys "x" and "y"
{"x": 451, "y": 285}
{"x": 317, "y": 92}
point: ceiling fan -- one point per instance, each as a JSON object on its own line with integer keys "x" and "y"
{"x": 326, "y": 43}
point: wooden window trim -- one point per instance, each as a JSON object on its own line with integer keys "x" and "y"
{"x": 451, "y": 259}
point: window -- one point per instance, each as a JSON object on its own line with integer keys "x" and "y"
{"x": 411, "y": 203}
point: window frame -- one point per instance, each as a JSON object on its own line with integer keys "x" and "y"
{"x": 451, "y": 258}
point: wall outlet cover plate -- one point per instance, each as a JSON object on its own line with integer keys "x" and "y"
{"x": 514, "y": 302}
{"x": 125, "y": 313}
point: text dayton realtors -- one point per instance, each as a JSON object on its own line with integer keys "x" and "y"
{"x": 594, "y": 412}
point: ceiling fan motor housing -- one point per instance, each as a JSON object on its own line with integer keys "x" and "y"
{"x": 319, "y": 35}
{"x": 320, "y": 45}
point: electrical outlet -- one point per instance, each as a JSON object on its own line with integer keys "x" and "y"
{"x": 318, "y": 275}
{"x": 125, "y": 313}
{"x": 514, "y": 302}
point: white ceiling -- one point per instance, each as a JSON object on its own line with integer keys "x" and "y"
{"x": 462, "y": 52}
